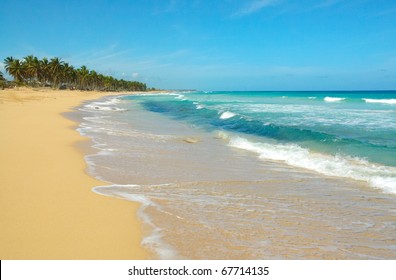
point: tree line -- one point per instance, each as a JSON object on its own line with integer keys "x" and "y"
{"x": 56, "y": 73}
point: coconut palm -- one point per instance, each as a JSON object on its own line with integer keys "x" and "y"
{"x": 7, "y": 62}
{"x": 28, "y": 63}
{"x": 16, "y": 68}
{"x": 55, "y": 70}
{"x": 2, "y": 80}
{"x": 93, "y": 78}
{"x": 69, "y": 75}
{"x": 83, "y": 74}
{"x": 33, "y": 69}
{"x": 44, "y": 75}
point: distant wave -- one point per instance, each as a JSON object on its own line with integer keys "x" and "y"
{"x": 103, "y": 108}
{"x": 181, "y": 97}
{"x": 227, "y": 115}
{"x": 381, "y": 177}
{"x": 382, "y": 101}
{"x": 198, "y": 106}
{"x": 312, "y": 97}
{"x": 107, "y": 105}
{"x": 333, "y": 99}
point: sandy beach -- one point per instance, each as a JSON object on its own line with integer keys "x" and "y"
{"x": 48, "y": 210}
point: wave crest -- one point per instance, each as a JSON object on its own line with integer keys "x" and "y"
{"x": 382, "y": 101}
{"x": 333, "y": 99}
{"x": 382, "y": 177}
{"x": 227, "y": 115}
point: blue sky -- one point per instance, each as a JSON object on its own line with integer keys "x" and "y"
{"x": 213, "y": 44}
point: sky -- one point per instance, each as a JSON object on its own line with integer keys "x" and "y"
{"x": 213, "y": 44}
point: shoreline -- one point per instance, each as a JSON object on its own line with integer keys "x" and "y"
{"x": 48, "y": 208}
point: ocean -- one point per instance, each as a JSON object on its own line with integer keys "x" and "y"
{"x": 252, "y": 175}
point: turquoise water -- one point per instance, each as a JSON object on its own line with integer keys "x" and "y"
{"x": 251, "y": 175}
{"x": 344, "y": 134}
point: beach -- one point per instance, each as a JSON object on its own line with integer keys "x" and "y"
{"x": 48, "y": 210}
{"x": 197, "y": 175}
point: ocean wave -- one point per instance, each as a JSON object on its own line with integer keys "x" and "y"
{"x": 154, "y": 241}
{"x": 104, "y": 105}
{"x": 382, "y": 101}
{"x": 333, "y": 99}
{"x": 227, "y": 115}
{"x": 97, "y": 107}
{"x": 381, "y": 177}
{"x": 198, "y": 105}
{"x": 109, "y": 101}
{"x": 181, "y": 97}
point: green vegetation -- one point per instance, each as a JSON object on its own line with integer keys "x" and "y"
{"x": 56, "y": 73}
{"x": 3, "y": 81}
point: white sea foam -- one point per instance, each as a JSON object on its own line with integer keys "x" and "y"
{"x": 198, "y": 106}
{"x": 180, "y": 96}
{"x": 154, "y": 241}
{"x": 98, "y": 107}
{"x": 382, "y": 101}
{"x": 312, "y": 97}
{"x": 104, "y": 105}
{"x": 382, "y": 177}
{"x": 333, "y": 99}
{"x": 109, "y": 101}
{"x": 227, "y": 115}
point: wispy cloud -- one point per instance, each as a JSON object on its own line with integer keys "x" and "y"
{"x": 99, "y": 55}
{"x": 254, "y": 6}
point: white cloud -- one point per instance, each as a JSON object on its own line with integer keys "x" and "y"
{"x": 135, "y": 75}
{"x": 255, "y": 6}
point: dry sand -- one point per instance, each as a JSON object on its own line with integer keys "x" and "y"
{"x": 48, "y": 210}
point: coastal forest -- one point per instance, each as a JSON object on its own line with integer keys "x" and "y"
{"x": 55, "y": 73}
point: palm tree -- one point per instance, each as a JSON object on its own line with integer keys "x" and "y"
{"x": 57, "y": 72}
{"x": 28, "y": 63}
{"x": 69, "y": 75}
{"x": 55, "y": 69}
{"x": 7, "y": 63}
{"x": 82, "y": 75}
{"x": 93, "y": 80}
{"x": 15, "y": 68}
{"x": 44, "y": 75}
{"x": 2, "y": 80}
{"x": 33, "y": 69}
